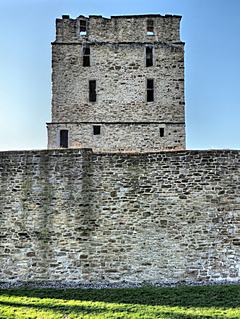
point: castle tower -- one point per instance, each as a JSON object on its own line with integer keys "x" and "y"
{"x": 118, "y": 83}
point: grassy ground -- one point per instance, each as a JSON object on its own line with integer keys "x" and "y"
{"x": 176, "y": 303}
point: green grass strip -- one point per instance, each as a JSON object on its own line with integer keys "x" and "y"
{"x": 175, "y": 303}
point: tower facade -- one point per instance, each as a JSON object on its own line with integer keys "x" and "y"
{"x": 118, "y": 84}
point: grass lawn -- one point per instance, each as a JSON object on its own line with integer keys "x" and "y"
{"x": 148, "y": 302}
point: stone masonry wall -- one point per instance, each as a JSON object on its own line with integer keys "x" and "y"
{"x": 119, "y": 137}
{"x": 74, "y": 215}
{"x": 120, "y": 74}
{"x": 118, "y": 64}
{"x": 120, "y": 28}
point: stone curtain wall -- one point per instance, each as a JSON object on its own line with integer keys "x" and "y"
{"x": 73, "y": 215}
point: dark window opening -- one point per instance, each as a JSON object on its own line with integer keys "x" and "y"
{"x": 64, "y": 138}
{"x": 96, "y": 129}
{"x": 83, "y": 27}
{"x": 149, "y": 56}
{"x": 150, "y": 27}
{"x": 86, "y": 56}
{"x": 161, "y": 130}
{"x": 92, "y": 91}
{"x": 150, "y": 90}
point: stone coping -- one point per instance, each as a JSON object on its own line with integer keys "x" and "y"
{"x": 89, "y": 150}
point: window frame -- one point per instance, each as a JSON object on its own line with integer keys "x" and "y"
{"x": 96, "y": 130}
{"x": 92, "y": 96}
{"x": 162, "y": 131}
{"x": 150, "y": 27}
{"x": 151, "y": 56}
{"x": 64, "y": 140}
{"x": 150, "y": 90}
{"x": 86, "y": 57}
{"x": 82, "y": 27}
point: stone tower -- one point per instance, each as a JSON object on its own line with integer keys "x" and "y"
{"x": 118, "y": 83}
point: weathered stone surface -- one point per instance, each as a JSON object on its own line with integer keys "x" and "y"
{"x": 117, "y": 59}
{"x": 74, "y": 215}
{"x": 120, "y": 137}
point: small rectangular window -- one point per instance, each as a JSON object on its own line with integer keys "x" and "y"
{"x": 83, "y": 27}
{"x": 150, "y": 90}
{"x": 64, "y": 138}
{"x": 150, "y": 27}
{"x": 86, "y": 56}
{"x": 149, "y": 56}
{"x": 92, "y": 91}
{"x": 161, "y": 131}
{"x": 96, "y": 129}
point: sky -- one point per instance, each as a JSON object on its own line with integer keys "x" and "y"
{"x": 210, "y": 29}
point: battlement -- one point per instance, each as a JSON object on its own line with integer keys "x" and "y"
{"x": 127, "y": 28}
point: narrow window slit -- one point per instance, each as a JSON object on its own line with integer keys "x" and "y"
{"x": 150, "y": 27}
{"x": 149, "y": 56}
{"x": 150, "y": 90}
{"x": 96, "y": 129}
{"x": 64, "y": 138}
{"x": 161, "y": 130}
{"x": 86, "y": 56}
{"x": 92, "y": 91}
{"x": 83, "y": 27}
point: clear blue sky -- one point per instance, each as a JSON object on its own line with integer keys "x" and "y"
{"x": 210, "y": 28}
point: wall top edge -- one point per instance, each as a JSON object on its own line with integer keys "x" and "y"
{"x": 136, "y": 43}
{"x": 75, "y": 151}
{"x": 130, "y": 16}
